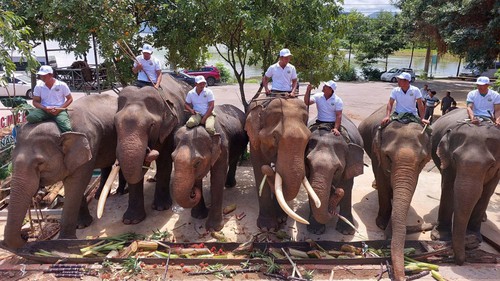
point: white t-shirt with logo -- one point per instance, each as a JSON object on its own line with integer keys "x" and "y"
{"x": 406, "y": 102}
{"x": 483, "y": 103}
{"x": 327, "y": 108}
{"x": 282, "y": 77}
{"x": 150, "y": 67}
{"x": 200, "y": 102}
{"x": 53, "y": 97}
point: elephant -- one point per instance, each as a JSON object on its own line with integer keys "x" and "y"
{"x": 145, "y": 124}
{"x": 468, "y": 157}
{"x": 197, "y": 153}
{"x": 278, "y": 136}
{"x": 44, "y": 156}
{"x": 398, "y": 153}
{"x": 332, "y": 162}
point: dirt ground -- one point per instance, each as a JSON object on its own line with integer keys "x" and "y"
{"x": 360, "y": 99}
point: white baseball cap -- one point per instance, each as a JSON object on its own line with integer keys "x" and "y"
{"x": 147, "y": 48}
{"x": 44, "y": 70}
{"x": 331, "y": 84}
{"x": 200, "y": 79}
{"x": 404, "y": 76}
{"x": 483, "y": 80}
{"x": 285, "y": 53}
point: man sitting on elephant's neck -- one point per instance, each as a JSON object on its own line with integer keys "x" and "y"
{"x": 405, "y": 96}
{"x": 51, "y": 97}
{"x": 283, "y": 74}
{"x": 147, "y": 68}
{"x": 200, "y": 103}
{"x": 483, "y": 102}
{"x": 328, "y": 104}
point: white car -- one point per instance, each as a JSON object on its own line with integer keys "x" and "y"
{"x": 21, "y": 83}
{"x": 390, "y": 75}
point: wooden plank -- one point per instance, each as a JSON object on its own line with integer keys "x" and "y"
{"x": 56, "y": 213}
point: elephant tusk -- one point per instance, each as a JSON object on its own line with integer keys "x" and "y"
{"x": 261, "y": 186}
{"x": 106, "y": 189}
{"x": 278, "y": 191}
{"x": 311, "y": 192}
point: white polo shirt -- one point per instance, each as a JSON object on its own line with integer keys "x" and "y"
{"x": 406, "y": 102}
{"x": 483, "y": 103}
{"x": 55, "y": 96}
{"x": 282, "y": 77}
{"x": 150, "y": 67}
{"x": 327, "y": 108}
{"x": 200, "y": 102}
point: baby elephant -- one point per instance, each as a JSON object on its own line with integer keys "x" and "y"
{"x": 197, "y": 153}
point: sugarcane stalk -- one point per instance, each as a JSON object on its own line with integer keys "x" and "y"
{"x": 437, "y": 276}
{"x": 297, "y": 253}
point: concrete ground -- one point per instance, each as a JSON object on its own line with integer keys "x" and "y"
{"x": 360, "y": 100}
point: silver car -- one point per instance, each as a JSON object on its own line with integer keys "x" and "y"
{"x": 390, "y": 75}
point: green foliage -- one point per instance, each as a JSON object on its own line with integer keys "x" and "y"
{"x": 371, "y": 73}
{"x": 347, "y": 73}
{"x": 225, "y": 75}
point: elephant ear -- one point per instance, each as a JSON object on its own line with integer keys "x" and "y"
{"x": 76, "y": 149}
{"x": 216, "y": 148}
{"x": 354, "y": 161}
{"x": 169, "y": 122}
{"x": 443, "y": 150}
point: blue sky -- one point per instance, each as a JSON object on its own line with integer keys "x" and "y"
{"x": 368, "y": 6}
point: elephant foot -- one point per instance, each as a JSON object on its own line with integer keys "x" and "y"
{"x": 382, "y": 222}
{"x": 133, "y": 217}
{"x": 315, "y": 227}
{"x": 440, "y": 234}
{"x": 84, "y": 221}
{"x": 200, "y": 212}
{"x": 344, "y": 228}
{"x": 268, "y": 223}
{"x": 472, "y": 240}
{"x": 161, "y": 205}
{"x": 214, "y": 224}
{"x": 230, "y": 183}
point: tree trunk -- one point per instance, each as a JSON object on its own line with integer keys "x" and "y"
{"x": 427, "y": 59}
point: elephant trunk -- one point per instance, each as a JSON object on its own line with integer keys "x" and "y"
{"x": 404, "y": 181}
{"x": 290, "y": 165}
{"x": 184, "y": 190}
{"x": 329, "y": 197}
{"x": 129, "y": 150}
{"x": 22, "y": 190}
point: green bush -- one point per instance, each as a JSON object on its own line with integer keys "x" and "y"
{"x": 225, "y": 75}
{"x": 371, "y": 74}
{"x": 347, "y": 73}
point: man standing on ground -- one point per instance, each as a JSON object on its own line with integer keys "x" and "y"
{"x": 483, "y": 102}
{"x": 200, "y": 103}
{"x": 405, "y": 97}
{"x": 51, "y": 97}
{"x": 431, "y": 101}
{"x": 147, "y": 68}
{"x": 446, "y": 102}
{"x": 329, "y": 105}
{"x": 283, "y": 74}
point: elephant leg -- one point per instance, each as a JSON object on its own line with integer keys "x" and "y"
{"x": 442, "y": 231}
{"x": 75, "y": 186}
{"x": 384, "y": 198}
{"x": 215, "y": 221}
{"x": 163, "y": 200}
{"x": 200, "y": 211}
{"x": 479, "y": 211}
{"x": 135, "y": 212}
{"x": 84, "y": 217}
{"x": 314, "y": 226}
{"x": 122, "y": 183}
{"x": 346, "y": 209}
{"x": 231, "y": 173}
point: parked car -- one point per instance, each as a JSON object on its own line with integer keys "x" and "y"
{"x": 472, "y": 70}
{"x": 182, "y": 77}
{"x": 22, "y": 84}
{"x": 211, "y": 74}
{"x": 394, "y": 72}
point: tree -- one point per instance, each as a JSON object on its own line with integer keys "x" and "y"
{"x": 252, "y": 32}
{"x": 383, "y": 36}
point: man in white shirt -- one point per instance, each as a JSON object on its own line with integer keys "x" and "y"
{"x": 147, "y": 68}
{"x": 329, "y": 105}
{"x": 405, "y": 97}
{"x": 51, "y": 97}
{"x": 283, "y": 74}
{"x": 200, "y": 103}
{"x": 483, "y": 102}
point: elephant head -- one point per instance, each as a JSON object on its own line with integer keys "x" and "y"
{"x": 41, "y": 157}
{"x": 278, "y": 136}
{"x": 143, "y": 122}
{"x": 332, "y": 163}
{"x": 195, "y": 153}
{"x": 470, "y": 168}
